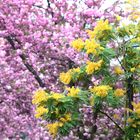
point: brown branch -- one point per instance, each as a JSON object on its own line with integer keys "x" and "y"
{"x": 130, "y": 92}
{"x": 112, "y": 120}
{"x": 49, "y": 5}
{"x": 24, "y": 60}
{"x": 94, "y": 127}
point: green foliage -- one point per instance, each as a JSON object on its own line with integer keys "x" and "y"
{"x": 114, "y": 101}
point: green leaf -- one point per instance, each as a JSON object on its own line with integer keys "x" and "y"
{"x": 109, "y": 52}
{"x": 112, "y": 100}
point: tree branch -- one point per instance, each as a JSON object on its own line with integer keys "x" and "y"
{"x": 130, "y": 92}
{"x": 27, "y": 65}
{"x": 112, "y": 120}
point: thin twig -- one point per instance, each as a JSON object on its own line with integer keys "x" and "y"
{"x": 112, "y": 120}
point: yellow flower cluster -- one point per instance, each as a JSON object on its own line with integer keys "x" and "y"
{"x": 93, "y": 66}
{"x": 136, "y": 108}
{"x": 118, "y": 18}
{"x": 119, "y": 92}
{"x": 132, "y": 122}
{"x": 53, "y": 128}
{"x": 136, "y": 111}
{"x": 102, "y": 25}
{"x": 118, "y": 70}
{"x": 39, "y": 96}
{"x": 40, "y": 111}
{"x": 65, "y": 78}
{"x": 78, "y": 44}
{"x": 73, "y": 91}
{"x": 56, "y": 95}
{"x": 135, "y": 40}
{"x": 99, "y": 28}
{"x": 92, "y": 47}
{"x": 116, "y": 116}
{"x": 75, "y": 70}
{"x": 133, "y": 69}
{"x": 66, "y": 118}
{"x": 101, "y": 91}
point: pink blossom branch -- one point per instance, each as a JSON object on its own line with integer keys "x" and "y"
{"x": 27, "y": 65}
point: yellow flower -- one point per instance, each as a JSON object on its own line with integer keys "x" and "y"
{"x": 99, "y": 28}
{"x": 134, "y": 125}
{"x": 66, "y": 118}
{"x": 93, "y": 66}
{"x": 135, "y": 40}
{"x": 40, "y": 111}
{"x": 65, "y": 77}
{"x": 118, "y": 17}
{"x": 91, "y": 34}
{"x": 119, "y": 92}
{"x": 102, "y": 48}
{"x": 56, "y": 95}
{"x": 53, "y": 128}
{"x": 101, "y": 91}
{"x": 136, "y": 105}
{"x": 133, "y": 69}
{"x": 137, "y": 111}
{"x": 118, "y": 70}
{"x": 129, "y": 120}
{"x": 76, "y": 70}
{"x": 103, "y": 25}
{"x": 39, "y": 96}
{"x": 92, "y": 47}
{"x": 78, "y": 44}
{"x": 116, "y": 116}
{"x": 73, "y": 91}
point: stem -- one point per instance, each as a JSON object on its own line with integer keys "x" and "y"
{"x": 94, "y": 127}
{"x": 112, "y": 120}
{"x": 121, "y": 64}
{"x": 130, "y": 92}
{"x": 125, "y": 114}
